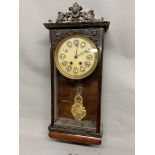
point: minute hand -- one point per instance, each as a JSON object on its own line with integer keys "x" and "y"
{"x": 80, "y": 54}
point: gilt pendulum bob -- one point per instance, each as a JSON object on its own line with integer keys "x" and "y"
{"x": 76, "y": 55}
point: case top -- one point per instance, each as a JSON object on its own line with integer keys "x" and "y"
{"x": 76, "y": 18}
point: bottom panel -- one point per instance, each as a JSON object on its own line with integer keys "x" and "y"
{"x": 72, "y": 124}
{"x": 75, "y": 138}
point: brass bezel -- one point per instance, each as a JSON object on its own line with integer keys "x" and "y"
{"x": 75, "y": 77}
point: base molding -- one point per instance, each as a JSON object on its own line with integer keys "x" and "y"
{"x": 75, "y": 138}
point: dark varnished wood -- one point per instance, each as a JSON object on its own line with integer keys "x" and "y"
{"x": 90, "y": 97}
{"x": 101, "y": 43}
{"x": 75, "y": 138}
{"x": 104, "y": 24}
{"x": 63, "y": 96}
{"x": 91, "y": 84}
{"x": 63, "y": 90}
{"x": 52, "y": 82}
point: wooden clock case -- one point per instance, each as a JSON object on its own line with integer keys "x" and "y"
{"x": 63, "y": 125}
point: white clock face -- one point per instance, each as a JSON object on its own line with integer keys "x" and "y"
{"x": 76, "y": 57}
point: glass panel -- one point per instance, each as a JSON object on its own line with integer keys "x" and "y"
{"x": 76, "y": 84}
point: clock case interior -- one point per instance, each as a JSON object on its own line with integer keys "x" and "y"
{"x": 63, "y": 125}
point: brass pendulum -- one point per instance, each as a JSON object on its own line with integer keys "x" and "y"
{"x": 78, "y": 110}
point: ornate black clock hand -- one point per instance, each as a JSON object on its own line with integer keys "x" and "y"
{"x": 80, "y": 54}
{"x": 76, "y": 54}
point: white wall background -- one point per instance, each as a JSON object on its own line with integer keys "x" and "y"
{"x": 118, "y": 78}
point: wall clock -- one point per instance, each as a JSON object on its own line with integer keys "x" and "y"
{"x": 76, "y": 56}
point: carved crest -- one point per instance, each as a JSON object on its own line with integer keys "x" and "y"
{"x": 75, "y": 14}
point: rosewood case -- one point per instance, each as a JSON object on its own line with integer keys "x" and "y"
{"x": 63, "y": 125}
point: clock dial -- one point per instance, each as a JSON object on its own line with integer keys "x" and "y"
{"x": 82, "y": 69}
{"x": 83, "y": 44}
{"x": 69, "y": 44}
{"x": 64, "y": 63}
{"x": 62, "y": 56}
{"x": 76, "y": 57}
{"x": 65, "y": 50}
{"x": 87, "y": 64}
{"x": 76, "y": 43}
{"x": 89, "y": 57}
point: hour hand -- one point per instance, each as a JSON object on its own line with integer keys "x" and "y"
{"x": 76, "y": 55}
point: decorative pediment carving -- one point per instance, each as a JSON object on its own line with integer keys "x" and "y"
{"x": 75, "y": 14}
